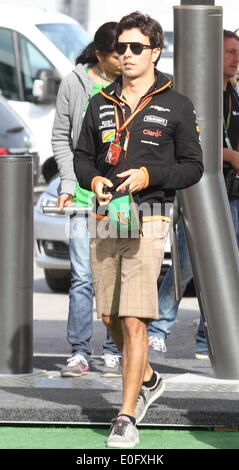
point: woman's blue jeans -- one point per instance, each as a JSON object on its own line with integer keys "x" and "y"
{"x": 80, "y": 316}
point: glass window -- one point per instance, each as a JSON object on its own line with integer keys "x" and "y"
{"x": 8, "y": 72}
{"x": 32, "y": 60}
{"x": 71, "y": 39}
{"x": 168, "y": 44}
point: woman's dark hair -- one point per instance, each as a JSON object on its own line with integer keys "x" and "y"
{"x": 104, "y": 42}
{"x": 147, "y": 25}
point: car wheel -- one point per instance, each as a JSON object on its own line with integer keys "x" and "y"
{"x": 58, "y": 281}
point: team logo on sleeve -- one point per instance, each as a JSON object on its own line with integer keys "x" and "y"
{"x": 108, "y": 136}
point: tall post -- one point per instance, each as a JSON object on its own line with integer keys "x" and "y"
{"x": 16, "y": 255}
{"x": 198, "y": 45}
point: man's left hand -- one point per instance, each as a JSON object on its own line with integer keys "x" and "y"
{"x": 136, "y": 180}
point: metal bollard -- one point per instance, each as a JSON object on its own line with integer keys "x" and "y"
{"x": 205, "y": 209}
{"x": 16, "y": 273}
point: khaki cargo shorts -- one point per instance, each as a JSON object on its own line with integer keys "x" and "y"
{"x": 125, "y": 271}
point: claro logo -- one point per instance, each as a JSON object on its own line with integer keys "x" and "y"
{"x": 152, "y": 133}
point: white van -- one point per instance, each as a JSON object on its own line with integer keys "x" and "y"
{"x": 37, "y": 49}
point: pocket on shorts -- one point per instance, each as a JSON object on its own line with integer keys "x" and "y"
{"x": 157, "y": 229}
{"x": 160, "y": 241}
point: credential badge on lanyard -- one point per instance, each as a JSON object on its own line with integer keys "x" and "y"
{"x": 115, "y": 148}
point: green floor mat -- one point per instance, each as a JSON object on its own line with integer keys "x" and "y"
{"x": 13, "y": 437}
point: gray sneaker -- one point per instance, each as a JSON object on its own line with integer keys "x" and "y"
{"x": 77, "y": 366}
{"x": 112, "y": 367}
{"x": 123, "y": 433}
{"x": 147, "y": 396}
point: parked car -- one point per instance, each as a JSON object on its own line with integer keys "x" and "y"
{"x": 52, "y": 242}
{"x": 38, "y": 48}
{"x": 15, "y": 137}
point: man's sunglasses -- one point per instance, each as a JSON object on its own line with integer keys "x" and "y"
{"x": 135, "y": 47}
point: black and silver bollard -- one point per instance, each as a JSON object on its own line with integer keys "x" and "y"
{"x": 205, "y": 209}
{"x": 16, "y": 256}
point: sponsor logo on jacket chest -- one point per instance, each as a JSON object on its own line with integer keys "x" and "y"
{"x": 157, "y": 133}
{"x": 156, "y": 120}
{"x": 108, "y": 123}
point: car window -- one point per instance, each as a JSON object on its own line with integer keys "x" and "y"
{"x": 8, "y": 75}
{"x": 69, "y": 38}
{"x": 8, "y": 120}
{"x": 32, "y": 61}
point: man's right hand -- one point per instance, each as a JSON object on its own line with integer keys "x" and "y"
{"x": 231, "y": 156}
{"x": 103, "y": 197}
{"x": 64, "y": 200}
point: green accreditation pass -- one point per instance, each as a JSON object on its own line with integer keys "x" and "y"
{"x": 123, "y": 214}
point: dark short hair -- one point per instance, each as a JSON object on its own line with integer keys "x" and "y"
{"x": 229, "y": 34}
{"x": 147, "y": 26}
{"x": 104, "y": 42}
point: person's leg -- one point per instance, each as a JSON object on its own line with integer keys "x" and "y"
{"x": 131, "y": 336}
{"x": 80, "y": 320}
{"x": 109, "y": 346}
{"x": 201, "y": 342}
{"x": 234, "y": 206}
{"x": 137, "y": 270}
{"x": 111, "y": 358}
{"x": 141, "y": 264}
{"x": 114, "y": 326}
{"x": 168, "y": 305}
{"x": 135, "y": 362}
{"x": 106, "y": 268}
{"x": 80, "y": 315}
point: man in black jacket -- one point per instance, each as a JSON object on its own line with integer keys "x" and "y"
{"x": 139, "y": 136}
{"x": 231, "y": 124}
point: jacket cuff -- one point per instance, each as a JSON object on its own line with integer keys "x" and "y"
{"x": 146, "y": 176}
{"x": 68, "y": 187}
{"x": 93, "y": 181}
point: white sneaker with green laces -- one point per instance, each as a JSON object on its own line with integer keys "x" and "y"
{"x": 123, "y": 433}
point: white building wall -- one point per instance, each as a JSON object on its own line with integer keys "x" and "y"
{"x": 48, "y": 4}
{"x": 100, "y": 11}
